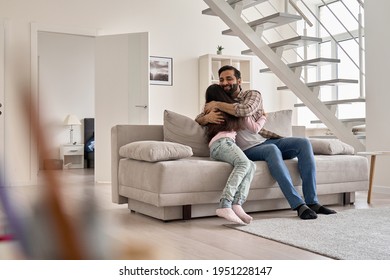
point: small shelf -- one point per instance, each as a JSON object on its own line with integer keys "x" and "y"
{"x": 209, "y": 64}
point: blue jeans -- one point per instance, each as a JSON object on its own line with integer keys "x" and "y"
{"x": 274, "y": 151}
{"x": 237, "y": 186}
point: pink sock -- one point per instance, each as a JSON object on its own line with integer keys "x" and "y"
{"x": 229, "y": 215}
{"x": 241, "y": 213}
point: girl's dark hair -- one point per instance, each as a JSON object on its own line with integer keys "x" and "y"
{"x": 231, "y": 123}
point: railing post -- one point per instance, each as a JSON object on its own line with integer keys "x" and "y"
{"x": 305, "y": 71}
{"x": 361, "y": 62}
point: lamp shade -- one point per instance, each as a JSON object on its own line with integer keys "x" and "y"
{"x": 72, "y": 120}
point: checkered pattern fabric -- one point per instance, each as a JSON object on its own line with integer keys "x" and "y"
{"x": 269, "y": 134}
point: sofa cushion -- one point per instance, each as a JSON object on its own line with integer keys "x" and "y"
{"x": 331, "y": 147}
{"x": 278, "y": 124}
{"x": 153, "y": 151}
{"x": 186, "y": 131}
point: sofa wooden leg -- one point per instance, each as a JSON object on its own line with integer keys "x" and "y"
{"x": 186, "y": 212}
{"x": 347, "y": 198}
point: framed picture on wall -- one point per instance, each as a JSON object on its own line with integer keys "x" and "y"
{"x": 161, "y": 70}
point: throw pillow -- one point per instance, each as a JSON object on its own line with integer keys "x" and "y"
{"x": 278, "y": 124}
{"x": 331, "y": 147}
{"x": 153, "y": 151}
{"x": 186, "y": 131}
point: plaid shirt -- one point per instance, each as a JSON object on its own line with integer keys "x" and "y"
{"x": 250, "y": 103}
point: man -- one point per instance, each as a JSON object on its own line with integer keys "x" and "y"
{"x": 273, "y": 151}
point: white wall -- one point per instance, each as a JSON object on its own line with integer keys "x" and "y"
{"x": 177, "y": 29}
{"x": 377, "y": 88}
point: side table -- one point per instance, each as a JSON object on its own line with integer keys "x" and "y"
{"x": 373, "y": 155}
{"x": 72, "y": 155}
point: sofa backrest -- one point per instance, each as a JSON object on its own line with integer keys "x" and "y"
{"x": 122, "y": 135}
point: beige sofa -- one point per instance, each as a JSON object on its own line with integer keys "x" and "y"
{"x": 169, "y": 187}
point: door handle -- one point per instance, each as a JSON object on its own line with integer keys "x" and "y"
{"x": 142, "y": 106}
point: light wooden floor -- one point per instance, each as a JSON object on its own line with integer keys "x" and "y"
{"x": 133, "y": 235}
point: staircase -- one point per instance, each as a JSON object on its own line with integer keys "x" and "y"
{"x": 290, "y": 74}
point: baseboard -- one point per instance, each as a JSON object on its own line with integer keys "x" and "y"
{"x": 381, "y": 189}
{"x": 103, "y": 182}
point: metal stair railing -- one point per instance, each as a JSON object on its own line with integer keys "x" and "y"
{"x": 300, "y": 12}
{"x": 307, "y": 21}
{"x": 359, "y": 65}
{"x": 340, "y": 21}
{"x": 330, "y": 34}
{"x": 249, "y": 36}
{"x": 361, "y": 3}
{"x": 361, "y": 50}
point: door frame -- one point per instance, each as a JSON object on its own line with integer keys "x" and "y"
{"x": 35, "y": 28}
{"x": 2, "y": 101}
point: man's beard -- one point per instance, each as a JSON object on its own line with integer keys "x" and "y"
{"x": 230, "y": 89}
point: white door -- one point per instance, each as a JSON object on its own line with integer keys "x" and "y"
{"x": 122, "y": 91}
{"x": 2, "y": 89}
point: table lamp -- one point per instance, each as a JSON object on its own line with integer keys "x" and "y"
{"x": 71, "y": 120}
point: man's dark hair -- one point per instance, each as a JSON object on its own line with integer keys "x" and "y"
{"x": 216, "y": 93}
{"x": 237, "y": 73}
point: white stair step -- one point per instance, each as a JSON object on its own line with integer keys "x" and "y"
{"x": 323, "y": 137}
{"x": 354, "y": 120}
{"x": 295, "y": 42}
{"x": 333, "y": 137}
{"x": 335, "y": 102}
{"x": 290, "y": 43}
{"x": 270, "y": 21}
{"x": 320, "y": 61}
{"x": 331, "y": 82}
{"x": 245, "y": 5}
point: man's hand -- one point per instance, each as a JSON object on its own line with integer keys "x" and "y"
{"x": 221, "y": 106}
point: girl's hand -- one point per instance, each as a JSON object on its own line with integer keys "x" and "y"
{"x": 215, "y": 116}
{"x": 210, "y": 106}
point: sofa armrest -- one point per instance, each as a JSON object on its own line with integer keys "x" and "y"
{"x": 122, "y": 135}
